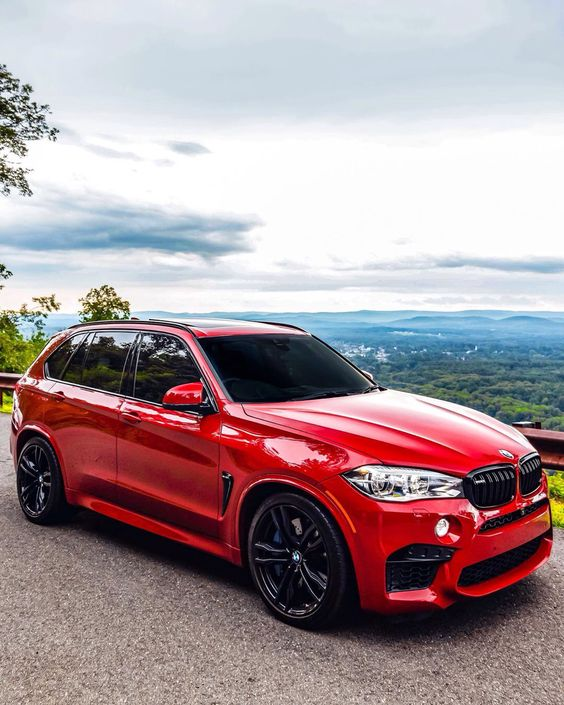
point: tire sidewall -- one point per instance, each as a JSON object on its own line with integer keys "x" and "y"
{"x": 338, "y": 572}
{"x": 55, "y": 501}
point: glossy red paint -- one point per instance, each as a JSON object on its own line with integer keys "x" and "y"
{"x": 160, "y": 469}
{"x": 190, "y": 394}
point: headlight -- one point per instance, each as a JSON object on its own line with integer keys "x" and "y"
{"x": 395, "y": 484}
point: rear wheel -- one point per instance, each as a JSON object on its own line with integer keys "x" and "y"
{"x": 39, "y": 483}
{"x": 298, "y": 561}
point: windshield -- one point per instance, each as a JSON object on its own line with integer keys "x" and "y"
{"x": 273, "y": 368}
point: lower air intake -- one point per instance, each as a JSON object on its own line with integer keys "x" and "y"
{"x": 497, "y": 565}
{"x": 414, "y": 567}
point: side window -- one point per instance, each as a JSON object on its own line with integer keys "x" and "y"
{"x": 56, "y": 363}
{"x": 105, "y": 360}
{"x": 73, "y": 370}
{"x": 164, "y": 362}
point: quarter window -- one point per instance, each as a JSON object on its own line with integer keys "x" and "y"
{"x": 105, "y": 360}
{"x": 55, "y": 365}
{"x": 164, "y": 362}
{"x": 73, "y": 370}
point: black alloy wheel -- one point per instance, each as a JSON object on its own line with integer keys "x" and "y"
{"x": 298, "y": 560}
{"x": 39, "y": 483}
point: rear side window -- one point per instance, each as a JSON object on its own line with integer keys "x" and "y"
{"x": 73, "y": 370}
{"x": 105, "y": 360}
{"x": 164, "y": 362}
{"x": 57, "y": 362}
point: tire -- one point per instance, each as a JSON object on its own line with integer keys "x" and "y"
{"x": 39, "y": 483}
{"x": 299, "y": 561}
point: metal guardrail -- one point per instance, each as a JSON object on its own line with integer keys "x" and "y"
{"x": 7, "y": 383}
{"x": 550, "y": 444}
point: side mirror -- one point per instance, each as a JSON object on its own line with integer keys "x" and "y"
{"x": 187, "y": 397}
{"x": 368, "y": 374}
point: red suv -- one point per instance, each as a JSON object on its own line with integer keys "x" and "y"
{"x": 261, "y": 444}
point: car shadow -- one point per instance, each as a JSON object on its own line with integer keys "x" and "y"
{"x": 161, "y": 549}
{"x": 463, "y": 619}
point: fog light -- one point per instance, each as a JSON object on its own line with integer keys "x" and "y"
{"x": 442, "y": 527}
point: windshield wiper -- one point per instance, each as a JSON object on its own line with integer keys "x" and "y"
{"x": 374, "y": 388}
{"x": 331, "y": 393}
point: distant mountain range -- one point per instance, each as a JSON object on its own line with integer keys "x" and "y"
{"x": 335, "y": 323}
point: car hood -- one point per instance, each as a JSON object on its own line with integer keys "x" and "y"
{"x": 401, "y": 429}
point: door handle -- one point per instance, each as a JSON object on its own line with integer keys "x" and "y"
{"x": 131, "y": 417}
{"x": 59, "y": 394}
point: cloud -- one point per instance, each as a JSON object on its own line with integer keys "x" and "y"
{"x": 110, "y": 153}
{"x": 190, "y": 149}
{"x": 323, "y": 58}
{"x": 536, "y": 265}
{"x": 531, "y": 264}
{"x": 69, "y": 136}
{"x": 99, "y": 222}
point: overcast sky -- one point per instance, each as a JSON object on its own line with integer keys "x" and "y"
{"x": 292, "y": 154}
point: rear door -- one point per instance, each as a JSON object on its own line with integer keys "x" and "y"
{"x": 83, "y": 415}
{"x": 167, "y": 460}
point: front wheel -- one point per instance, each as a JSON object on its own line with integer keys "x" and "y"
{"x": 298, "y": 561}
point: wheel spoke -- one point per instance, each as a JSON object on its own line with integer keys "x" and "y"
{"x": 306, "y": 537}
{"x": 284, "y": 586}
{"x": 271, "y": 561}
{"x": 308, "y": 584}
{"x": 276, "y": 554}
{"x": 318, "y": 543}
{"x": 318, "y": 578}
{"x": 27, "y": 489}
{"x": 43, "y": 461}
{"x": 37, "y": 503}
{"x": 28, "y": 467}
{"x": 269, "y": 548}
{"x": 282, "y": 523}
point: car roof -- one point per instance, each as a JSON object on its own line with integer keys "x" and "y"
{"x": 205, "y": 327}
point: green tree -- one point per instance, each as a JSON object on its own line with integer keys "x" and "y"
{"x": 103, "y": 304}
{"x": 22, "y": 120}
{"x": 22, "y": 330}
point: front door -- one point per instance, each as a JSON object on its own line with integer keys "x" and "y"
{"x": 167, "y": 460}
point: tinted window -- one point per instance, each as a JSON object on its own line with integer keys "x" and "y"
{"x": 164, "y": 362}
{"x": 105, "y": 360}
{"x": 73, "y": 371}
{"x": 56, "y": 363}
{"x": 281, "y": 368}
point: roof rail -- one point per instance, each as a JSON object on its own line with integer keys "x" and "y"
{"x": 283, "y": 325}
{"x": 135, "y": 322}
{"x": 174, "y": 324}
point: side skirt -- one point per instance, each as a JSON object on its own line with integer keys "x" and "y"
{"x": 155, "y": 526}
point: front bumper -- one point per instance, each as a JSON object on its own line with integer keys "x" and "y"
{"x": 380, "y": 529}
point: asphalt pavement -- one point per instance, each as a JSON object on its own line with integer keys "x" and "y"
{"x": 98, "y": 612}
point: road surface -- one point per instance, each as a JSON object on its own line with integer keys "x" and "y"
{"x": 97, "y": 612}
